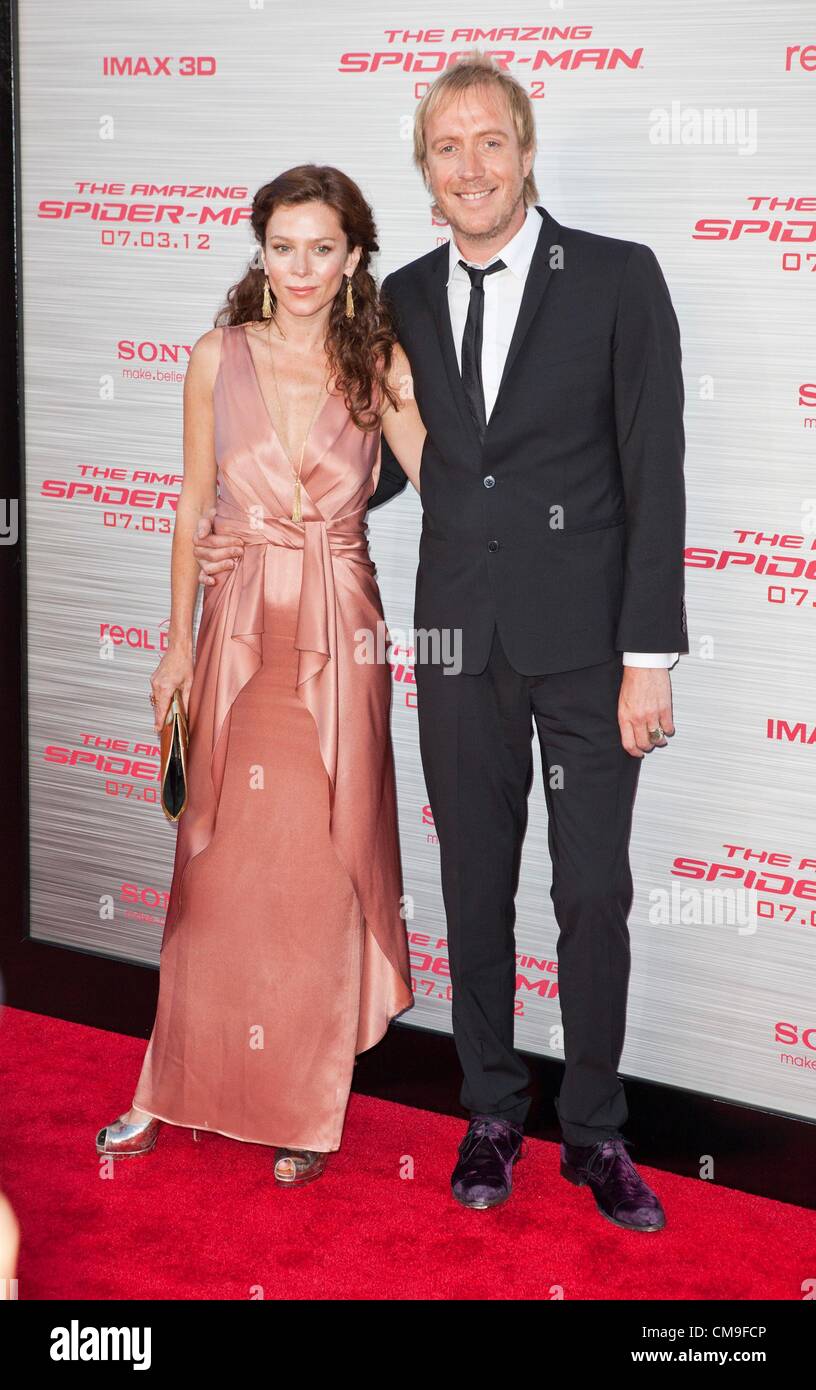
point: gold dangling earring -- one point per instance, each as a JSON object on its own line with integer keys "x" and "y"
{"x": 349, "y": 300}
{"x": 266, "y": 308}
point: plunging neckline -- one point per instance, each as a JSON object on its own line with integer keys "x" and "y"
{"x": 319, "y": 416}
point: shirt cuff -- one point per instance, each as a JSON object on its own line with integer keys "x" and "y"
{"x": 651, "y": 659}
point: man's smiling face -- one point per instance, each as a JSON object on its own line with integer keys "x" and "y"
{"x": 474, "y": 164}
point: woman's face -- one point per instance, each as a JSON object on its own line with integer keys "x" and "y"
{"x": 306, "y": 256}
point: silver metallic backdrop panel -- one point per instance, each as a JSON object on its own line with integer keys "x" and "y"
{"x": 145, "y": 131}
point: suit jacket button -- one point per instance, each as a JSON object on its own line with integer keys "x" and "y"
{"x": 492, "y": 545}
{"x": 489, "y": 481}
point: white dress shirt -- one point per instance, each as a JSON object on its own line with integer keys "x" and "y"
{"x": 502, "y": 300}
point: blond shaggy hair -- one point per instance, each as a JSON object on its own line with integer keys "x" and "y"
{"x": 477, "y": 70}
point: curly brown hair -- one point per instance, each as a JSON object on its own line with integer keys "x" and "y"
{"x": 360, "y": 349}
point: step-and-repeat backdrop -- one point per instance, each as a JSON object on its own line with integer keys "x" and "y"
{"x": 144, "y": 132}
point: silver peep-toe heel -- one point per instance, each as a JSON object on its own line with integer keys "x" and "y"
{"x": 125, "y": 1140}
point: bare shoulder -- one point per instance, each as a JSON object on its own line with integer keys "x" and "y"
{"x": 205, "y": 357}
{"x": 399, "y": 359}
{"x": 400, "y": 378}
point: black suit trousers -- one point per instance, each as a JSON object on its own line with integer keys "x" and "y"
{"x": 476, "y": 745}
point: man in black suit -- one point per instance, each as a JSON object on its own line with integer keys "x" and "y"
{"x": 547, "y": 369}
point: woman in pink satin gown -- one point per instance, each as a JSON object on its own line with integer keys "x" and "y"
{"x": 284, "y": 952}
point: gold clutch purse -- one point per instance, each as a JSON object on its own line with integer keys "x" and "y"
{"x": 174, "y": 759}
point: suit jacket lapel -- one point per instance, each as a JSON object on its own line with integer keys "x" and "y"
{"x": 438, "y": 294}
{"x": 538, "y": 278}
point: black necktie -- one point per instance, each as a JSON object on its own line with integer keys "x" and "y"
{"x": 472, "y": 343}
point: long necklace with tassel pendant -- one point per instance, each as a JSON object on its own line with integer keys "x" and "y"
{"x": 297, "y": 514}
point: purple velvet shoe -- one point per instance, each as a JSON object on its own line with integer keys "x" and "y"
{"x": 620, "y": 1193}
{"x": 483, "y": 1176}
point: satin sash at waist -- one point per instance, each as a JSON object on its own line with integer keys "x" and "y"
{"x": 322, "y": 542}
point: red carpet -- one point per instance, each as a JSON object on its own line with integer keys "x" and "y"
{"x": 206, "y": 1220}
